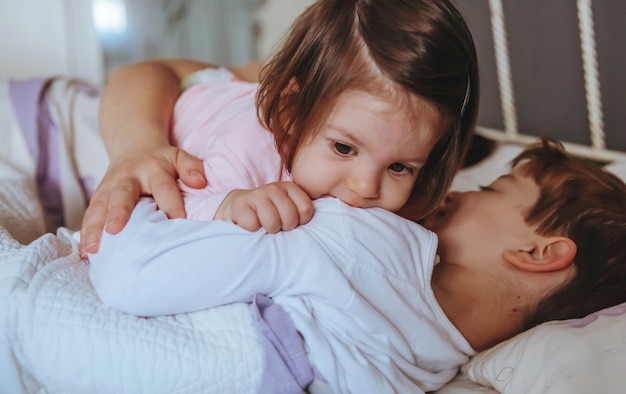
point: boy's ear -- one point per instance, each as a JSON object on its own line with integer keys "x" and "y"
{"x": 547, "y": 254}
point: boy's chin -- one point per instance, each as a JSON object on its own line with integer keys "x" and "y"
{"x": 411, "y": 212}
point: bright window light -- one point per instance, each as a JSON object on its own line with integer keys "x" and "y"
{"x": 109, "y": 16}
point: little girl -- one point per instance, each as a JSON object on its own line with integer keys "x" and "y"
{"x": 370, "y": 102}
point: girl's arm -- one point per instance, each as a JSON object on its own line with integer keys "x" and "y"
{"x": 135, "y": 114}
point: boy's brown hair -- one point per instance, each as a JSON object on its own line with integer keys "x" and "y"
{"x": 584, "y": 202}
{"x": 396, "y": 49}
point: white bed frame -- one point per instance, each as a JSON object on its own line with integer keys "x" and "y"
{"x": 597, "y": 149}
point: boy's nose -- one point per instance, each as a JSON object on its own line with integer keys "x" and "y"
{"x": 365, "y": 185}
{"x": 451, "y": 196}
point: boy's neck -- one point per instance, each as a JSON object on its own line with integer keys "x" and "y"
{"x": 485, "y": 313}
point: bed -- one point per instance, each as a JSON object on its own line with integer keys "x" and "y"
{"x": 55, "y": 336}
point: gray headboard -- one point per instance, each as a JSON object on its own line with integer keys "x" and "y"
{"x": 553, "y": 67}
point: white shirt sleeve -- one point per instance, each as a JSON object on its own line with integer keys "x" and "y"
{"x": 158, "y": 266}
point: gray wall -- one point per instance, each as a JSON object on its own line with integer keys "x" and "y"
{"x": 547, "y": 68}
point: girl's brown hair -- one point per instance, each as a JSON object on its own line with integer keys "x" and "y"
{"x": 397, "y": 48}
{"x": 584, "y": 202}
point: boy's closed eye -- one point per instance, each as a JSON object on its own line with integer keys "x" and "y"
{"x": 499, "y": 184}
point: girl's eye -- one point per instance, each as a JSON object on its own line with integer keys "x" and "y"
{"x": 399, "y": 167}
{"x": 343, "y": 149}
{"x": 485, "y": 189}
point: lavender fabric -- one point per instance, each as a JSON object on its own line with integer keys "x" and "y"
{"x": 41, "y": 135}
{"x": 286, "y": 366}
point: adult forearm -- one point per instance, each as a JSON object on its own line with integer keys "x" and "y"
{"x": 135, "y": 112}
{"x": 137, "y": 103}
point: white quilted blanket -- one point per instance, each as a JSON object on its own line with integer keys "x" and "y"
{"x": 56, "y": 337}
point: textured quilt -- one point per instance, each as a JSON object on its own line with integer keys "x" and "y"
{"x": 56, "y": 337}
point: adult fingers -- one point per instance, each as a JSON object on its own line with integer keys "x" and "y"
{"x": 109, "y": 209}
{"x": 122, "y": 200}
{"x": 190, "y": 170}
{"x": 167, "y": 195}
{"x": 92, "y": 225}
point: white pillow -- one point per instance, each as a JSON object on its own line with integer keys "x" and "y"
{"x": 618, "y": 168}
{"x": 575, "y": 356}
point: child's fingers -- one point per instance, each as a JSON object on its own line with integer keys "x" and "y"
{"x": 246, "y": 218}
{"x": 282, "y": 206}
{"x": 302, "y": 202}
{"x": 274, "y": 207}
{"x": 293, "y": 209}
{"x": 287, "y": 200}
{"x": 268, "y": 212}
{"x": 251, "y": 210}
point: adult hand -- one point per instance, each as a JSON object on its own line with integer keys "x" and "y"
{"x": 273, "y": 207}
{"x": 152, "y": 172}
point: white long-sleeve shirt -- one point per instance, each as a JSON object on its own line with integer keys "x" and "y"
{"x": 356, "y": 283}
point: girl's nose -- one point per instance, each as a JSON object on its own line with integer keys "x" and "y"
{"x": 366, "y": 185}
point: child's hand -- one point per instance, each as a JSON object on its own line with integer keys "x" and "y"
{"x": 274, "y": 207}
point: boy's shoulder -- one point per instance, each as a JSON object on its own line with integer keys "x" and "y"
{"x": 385, "y": 234}
{"x": 375, "y": 218}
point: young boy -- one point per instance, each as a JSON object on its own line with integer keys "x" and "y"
{"x": 376, "y": 310}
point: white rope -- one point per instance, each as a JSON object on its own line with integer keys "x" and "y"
{"x": 503, "y": 68}
{"x": 590, "y": 69}
{"x": 597, "y": 150}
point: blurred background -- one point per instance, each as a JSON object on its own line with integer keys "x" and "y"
{"x": 89, "y": 38}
